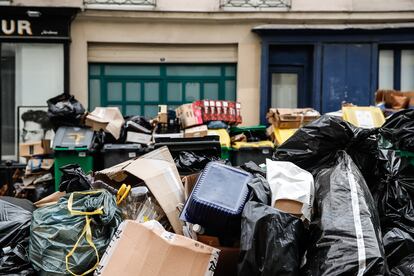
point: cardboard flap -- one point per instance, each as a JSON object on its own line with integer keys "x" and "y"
{"x": 147, "y": 249}
{"x": 161, "y": 179}
{"x": 116, "y": 172}
{"x": 110, "y": 116}
{"x": 157, "y": 169}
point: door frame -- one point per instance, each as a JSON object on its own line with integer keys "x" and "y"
{"x": 289, "y": 69}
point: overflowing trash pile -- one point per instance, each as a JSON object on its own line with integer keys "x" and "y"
{"x": 331, "y": 199}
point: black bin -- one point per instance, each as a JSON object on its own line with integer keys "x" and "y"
{"x": 113, "y": 154}
{"x": 208, "y": 145}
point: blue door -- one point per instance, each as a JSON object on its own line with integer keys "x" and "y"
{"x": 346, "y": 75}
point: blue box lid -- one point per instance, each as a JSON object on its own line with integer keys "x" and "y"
{"x": 219, "y": 194}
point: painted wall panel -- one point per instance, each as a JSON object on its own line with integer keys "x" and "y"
{"x": 346, "y": 75}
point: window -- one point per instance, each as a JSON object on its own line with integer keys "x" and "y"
{"x": 285, "y": 90}
{"x": 30, "y": 75}
{"x": 396, "y": 69}
{"x": 137, "y": 89}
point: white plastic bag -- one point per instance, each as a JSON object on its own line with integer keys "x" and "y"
{"x": 289, "y": 182}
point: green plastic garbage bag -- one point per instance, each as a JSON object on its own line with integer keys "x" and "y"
{"x": 69, "y": 237}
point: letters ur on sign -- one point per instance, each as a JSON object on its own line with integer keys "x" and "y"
{"x": 15, "y": 27}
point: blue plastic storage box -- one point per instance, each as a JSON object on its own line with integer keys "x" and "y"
{"x": 218, "y": 197}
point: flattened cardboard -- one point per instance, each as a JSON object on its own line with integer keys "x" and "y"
{"x": 157, "y": 169}
{"x": 50, "y": 199}
{"x": 35, "y": 148}
{"x": 197, "y": 131}
{"x": 363, "y": 116}
{"x": 160, "y": 179}
{"x": 148, "y": 250}
{"x": 107, "y": 118}
{"x": 189, "y": 182}
{"x": 139, "y": 138}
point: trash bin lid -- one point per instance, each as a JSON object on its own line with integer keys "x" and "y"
{"x": 73, "y": 138}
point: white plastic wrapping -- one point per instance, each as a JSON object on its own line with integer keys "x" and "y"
{"x": 289, "y": 182}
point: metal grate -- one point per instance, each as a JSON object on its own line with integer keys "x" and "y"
{"x": 121, "y": 2}
{"x": 256, "y": 3}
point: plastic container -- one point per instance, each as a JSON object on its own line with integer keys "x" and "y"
{"x": 113, "y": 154}
{"x": 243, "y": 152}
{"x": 281, "y": 135}
{"x": 253, "y": 133}
{"x": 207, "y": 145}
{"x": 224, "y": 141}
{"x": 72, "y": 145}
{"x": 218, "y": 198}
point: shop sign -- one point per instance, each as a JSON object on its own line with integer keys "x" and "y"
{"x": 16, "y": 27}
{"x": 29, "y": 23}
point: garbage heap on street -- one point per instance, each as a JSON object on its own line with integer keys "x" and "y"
{"x": 170, "y": 199}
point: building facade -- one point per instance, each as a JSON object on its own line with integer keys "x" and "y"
{"x": 34, "y": 66}
{"x": 136, "y": 54}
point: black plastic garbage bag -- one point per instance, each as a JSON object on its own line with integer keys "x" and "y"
{"x": 65, "y": 110}
{"x": 396, "y": 206}
{"x": 405, "y": 267}
{"x": 259, "y": 190}
{"x": 138, "y": 124}
{"x": 60, "y": 232}
{"x": 271, "y": 243}
{"x": 315, "y": 145}
{"x": 397, "y": 244}
{"x": 188, "y": 161}
{"x": 73, "y": 179}
{"x": 15, "y": 219}
{"x": 345, "y": 232}
{"x": 253, "y": 168}
{"x": 399, "y": 129}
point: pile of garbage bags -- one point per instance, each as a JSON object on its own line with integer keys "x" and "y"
{"x": 333, "y": 200}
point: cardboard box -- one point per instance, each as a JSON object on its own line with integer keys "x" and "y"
{"x": 226, "y": 111}
{"x": 189, "y": 115}
{"x": 109, "y": 119}
{"x": 363, "y": 116}
{"x": 34, "y": 165}
{"x": 35, "y": 148}
{"x": 148, "y": 250}
{"x": 157, "y": 169}
{"x": 162, "y": 114}
{"x": 289, "y": 206}
{"x": 232, "y": 112}
{"x": 139, "y": 138}
{"x": 220, "y": 112}
{"x": 238, "y": 114}
{"x": 292, "y": 188}
{"x": 227, "y": 261}
{"x": 284, "y": 118}
{"x": 197, "y": 131}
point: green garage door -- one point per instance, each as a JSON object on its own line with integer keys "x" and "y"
{"x": 138, "y": 89}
